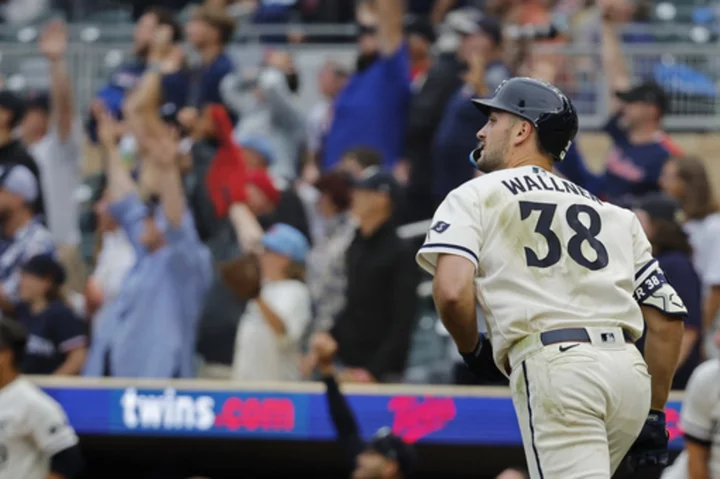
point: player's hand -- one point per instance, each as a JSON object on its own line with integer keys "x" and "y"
{"x": 481, "y": 362}
{"x": 651, "y": 447}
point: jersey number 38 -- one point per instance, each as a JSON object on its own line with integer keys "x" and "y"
{"x": 583, "y": 234}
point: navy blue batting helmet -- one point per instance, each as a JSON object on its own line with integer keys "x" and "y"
{"x": 548, "y": 109}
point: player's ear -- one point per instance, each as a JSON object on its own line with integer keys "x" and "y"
{"x": 522, "y": 132}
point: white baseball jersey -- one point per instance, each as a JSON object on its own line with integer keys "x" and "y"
{"x": 700, "y": 418}
{"x": 549, "y": 255}
{"x": 33, "y": 427}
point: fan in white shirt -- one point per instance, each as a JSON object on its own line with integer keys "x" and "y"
{"x": 267, "y": 345}
{"x": 36, "y": 440}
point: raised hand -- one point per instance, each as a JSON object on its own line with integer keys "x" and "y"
{"x": 53, "y": 40}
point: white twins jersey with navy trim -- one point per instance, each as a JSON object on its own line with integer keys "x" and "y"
{"x": 549, "y": 255}
{"x": 33, "y": 427}
{"x": 700, "y": 418}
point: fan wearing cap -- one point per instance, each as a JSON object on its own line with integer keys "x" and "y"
{"x": 57, "y": 338}
{"x": 24, "y": 236}
{"x": 386, "y": 456}
{"x": 660, "y": 217}
{"x": 640, "y": 147}
{"x": 38, "y": 442}
{"x": 267, "y": 345}
{"x": 373, "y": 330}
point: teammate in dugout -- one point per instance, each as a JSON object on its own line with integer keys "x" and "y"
{"x": 700, "y": 419}
{"x": 565, "y": 281}
{"x": 36, "y": 441}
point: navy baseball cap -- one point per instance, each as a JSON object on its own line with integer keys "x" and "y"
{"x": 38, "y": 101}
{"x": 14, "y": 104}
{"x": 649, "y": 92}
{"x": 374, "y": 179}
{"x": 45, "y": 266}
{"x": 420, "y": 27}
{"x": 287, "y": 241}
{"x": 660, "y": 206}
{"x": 392, "y": 447}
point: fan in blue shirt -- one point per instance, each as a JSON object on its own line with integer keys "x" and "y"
{"x": 371, "y": 111}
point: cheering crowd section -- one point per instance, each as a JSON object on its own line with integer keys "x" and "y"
{"x": 227, "y": 226}
{"x": 307, "y": 202}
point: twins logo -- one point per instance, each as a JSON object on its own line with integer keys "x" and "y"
{"x": 440, "y": 227}
{"x": 416, "y": 418}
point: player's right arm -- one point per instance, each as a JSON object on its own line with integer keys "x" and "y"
{"x": 450, "y": 253}
{"x": 663, "y": 311}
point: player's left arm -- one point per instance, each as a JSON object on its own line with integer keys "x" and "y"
{"x": 664, "y": 312}
{"x": 52, "y": 434}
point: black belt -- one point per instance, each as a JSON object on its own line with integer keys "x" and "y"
{"x": 578, "y": 335}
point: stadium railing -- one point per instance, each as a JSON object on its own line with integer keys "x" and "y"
{"x": 690, "y": 72}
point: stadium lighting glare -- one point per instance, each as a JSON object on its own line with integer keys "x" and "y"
{"x": 16, "y": 82}
{"x": 90, "y": 34}
{"x": 113, "y": 58}
{"x": 699, "y": 34}
{"x": 27, "y": 34}
{"x": 665, "y": 11}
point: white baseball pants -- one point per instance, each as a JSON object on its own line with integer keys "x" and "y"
{"x": 580, "y": 406}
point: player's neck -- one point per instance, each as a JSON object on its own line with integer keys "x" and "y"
{"x": 6, "y": 377}
{"x": 539, "y": 161}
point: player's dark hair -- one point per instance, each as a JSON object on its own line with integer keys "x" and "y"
{"x": 699, "y": 200}
{"x": 13, "y": 338}
{"x": 166, "y": 17}
{"x": 366, "y": 157}
{"x": 669, "y": 236}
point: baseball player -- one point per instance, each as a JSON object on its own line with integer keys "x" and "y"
{"x": 565, "y": 281}
{"x": 700, "y": 419}
{"x": 36, "y": 441}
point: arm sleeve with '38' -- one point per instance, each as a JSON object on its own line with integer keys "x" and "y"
{"x": 651, "y": 286}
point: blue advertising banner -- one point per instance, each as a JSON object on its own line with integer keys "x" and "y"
{"x": 467, "y": 420}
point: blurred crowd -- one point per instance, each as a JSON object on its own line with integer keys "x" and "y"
{"x": 205, "y": 163}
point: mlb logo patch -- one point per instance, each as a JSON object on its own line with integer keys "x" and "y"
{"x": 607, "y": 337}
{"x": 440, "y": 227}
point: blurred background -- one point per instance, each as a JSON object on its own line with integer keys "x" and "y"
{"x": 312, "y": 141}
